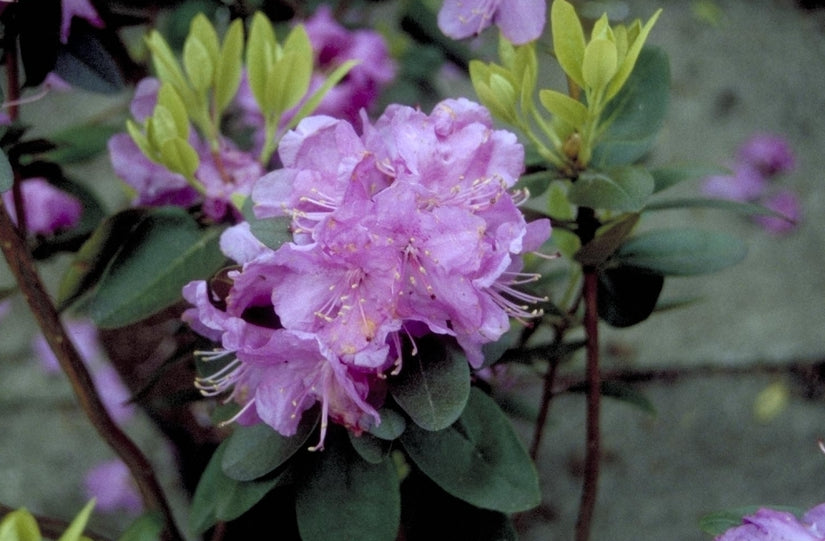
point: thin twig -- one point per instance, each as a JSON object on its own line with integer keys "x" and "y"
{"x": 22, "y": 267}
{"x": 592, "y": 454}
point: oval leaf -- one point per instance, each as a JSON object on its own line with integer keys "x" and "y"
{"x": 682, "y": 252}
{"x": 344, "y": 497}
{"x": 433, "y": 386}
{"x": 637, "y": 112}
{"x": 164, "y": 252}
{"x": 621, "y": 188}
{"x": 627, "y": 295}
{"x": 85, "y": 63}
{"x": 220, "y": 498}
{"x": 254, "y": 451}
{"x": 479, "y": 459}
{"x": 19, "y": 525}
{"x": 147, "y": 527}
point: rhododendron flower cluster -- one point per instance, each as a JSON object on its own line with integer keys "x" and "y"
{"x": 772, "y": 525}
{"x": 406, "y": 229}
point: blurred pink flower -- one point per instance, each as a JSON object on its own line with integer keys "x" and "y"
{"x": 111, "y": 389}
{"x": 111, "y": 484}
{"x": 770, "y": 154}
{"x": 786, "y": 203}
{"x": 48, "y": 209}
{"x": 744, "y": 184}
{"x": 77, "y": 8}
{"x": 772, "y": 525}
{"x": 520, "y": 21}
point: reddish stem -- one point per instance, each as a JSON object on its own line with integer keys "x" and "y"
{"x": 22, "y": 267}
{"x": 587, "y": 503}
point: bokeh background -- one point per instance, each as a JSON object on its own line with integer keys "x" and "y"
{"x": 737, "y": 378}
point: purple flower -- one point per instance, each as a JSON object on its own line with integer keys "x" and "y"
{"x": 333, "y": 45}
{"x": 786, "y": 203}
{"x": 758, "y": 160}
{"x": 153, "y": 184}
{"x": 77, "y": 8}
{"x": 769, "y": 154}
{"x": 520, "y": 21}
{"x": 407, "y": 228}
{"x": 745, "y": 184}
{"x": 110, "y": 387}
{"x": 772, "y": 525}
{"x": 47, "y": 208}
{"x": 111, "y": 484}
{"x": 221, "y": 174}
{"x": 5, "y": 308}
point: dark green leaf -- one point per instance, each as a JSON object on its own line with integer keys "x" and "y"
{"x": 433, "y": 385}
{"x": 85, "y": 63}
{"x": 344, "y": 497}
{"x": 254, "y": 451}
{"x": 748, "y": 209}
{"x": 682, "y": 252}
{"x": 636, "y": 113}
{"x": 147, "y": 527}
{"x": 81, "y": 142}
{"x": 478, "y": 459}
{"x": 221, "y": 498}
{"x": 6, "y": 173}
{"x": 164, "y": 252}
{"x": 432, "y": 514}
{"x": 622, "y": 188}
{"x": 392, "y": 424}
{"x": 627, "y": 295}
{"x": 718, "y": 522}
{"x": 272, "y": 232}
{"x": 371, "y": 448}
{"x": 665, "y": 177}
{"x": 94, "y": 256}
{"x": 39, "y": 27}
{"x": 607, "y": 239}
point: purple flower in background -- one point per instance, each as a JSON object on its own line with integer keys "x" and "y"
{"x": 5, "y": 308}
{"x": 153, "y": 184}
{"x": 520, "y": 21}
{"x": 772, "y": 525}
{"x": 111, "y": 484}
{"x": 770, "y": 154}
{"x": 333, "y": 45}
{"x": 222, "y": 174}
{"x": 77, "y": 8}
{"x": 746, "y": 183}
{"x": 48, "y": 209}
{"x": 758, "y": 161}
{"x": 405, "y": 229}
{"x": 786, "y": 203}
{"x": 111, "y": 389}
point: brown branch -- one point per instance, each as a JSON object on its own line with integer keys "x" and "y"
{"x": 587, "y": 503}
{"x": 22, "y": 267}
